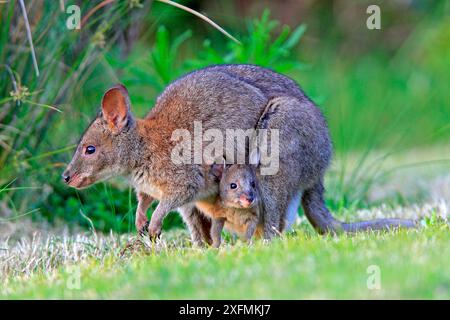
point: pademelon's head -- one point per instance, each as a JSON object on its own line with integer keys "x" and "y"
{"x": 106, "y": 143}
{"x": 238, "y": 187}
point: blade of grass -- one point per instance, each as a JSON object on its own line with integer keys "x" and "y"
{"x": 42, "y": 105}
{"x": 30, "y": 39}
{"x": 3, "y": 220}
{"x": 172, "y": 3}
{"x": 201, "y": 16}
{"x": 7, "y": 185}
{"x": 50, "y": 153}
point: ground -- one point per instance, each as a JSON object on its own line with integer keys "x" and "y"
{"x": 404, "y": 264}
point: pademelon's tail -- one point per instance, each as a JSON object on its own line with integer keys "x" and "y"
{"x": 322, "y": 220}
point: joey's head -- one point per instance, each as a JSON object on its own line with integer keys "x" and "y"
{"x": 108, "y": 146}
{"x": 238, "y": 185}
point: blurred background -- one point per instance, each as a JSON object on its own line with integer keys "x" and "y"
{"x": 384, "y": 92}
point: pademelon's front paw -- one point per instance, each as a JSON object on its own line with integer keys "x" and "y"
{"x": 154, "y": 231}
{"x": 143, "y": 228}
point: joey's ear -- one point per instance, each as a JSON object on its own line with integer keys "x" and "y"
{"x": 217, "y": 170}
{"x": 116, "y": 108}
{"x": 254, "y": 157}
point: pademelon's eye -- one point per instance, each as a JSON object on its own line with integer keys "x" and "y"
{"x": 90, "y": 149}
{"x": 233, "y": 185}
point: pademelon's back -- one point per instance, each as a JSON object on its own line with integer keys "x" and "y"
{"x": 213, "y": 97}
{"x": 271, "y": 83}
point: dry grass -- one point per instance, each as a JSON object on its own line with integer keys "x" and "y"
{"x": 42, "y": 254}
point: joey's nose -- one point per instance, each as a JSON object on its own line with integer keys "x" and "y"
{"x": 250, "y": 197}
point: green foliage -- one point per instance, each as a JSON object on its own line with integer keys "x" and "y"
{"x": 104, "y": 208}
{"x": 259, "y": 46}
{"x": 164, "y": 55}
{"x": 30, "y": 104}
{"x": 74, "y": 208}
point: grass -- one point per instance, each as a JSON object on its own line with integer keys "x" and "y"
{"x": 303, "y": 265}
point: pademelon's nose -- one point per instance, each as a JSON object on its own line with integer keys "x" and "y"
{"x": 66, "y": 177}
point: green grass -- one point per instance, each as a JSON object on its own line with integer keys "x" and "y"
{"x": 412, "y": 264}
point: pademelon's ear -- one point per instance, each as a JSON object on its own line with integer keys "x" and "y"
{"x": 116, "y": 108}
{"x": 218, "y": 169}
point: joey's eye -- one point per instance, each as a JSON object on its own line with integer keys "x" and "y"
{"x": 233, "y": 185}
{"x": 253, "y": 184}
{"x": 90, "y": 149}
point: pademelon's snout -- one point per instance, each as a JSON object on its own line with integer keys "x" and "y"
{"x": 247, "y": 200}
{"x": 66, "y": 176}
{"x": 76, "y": 179}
